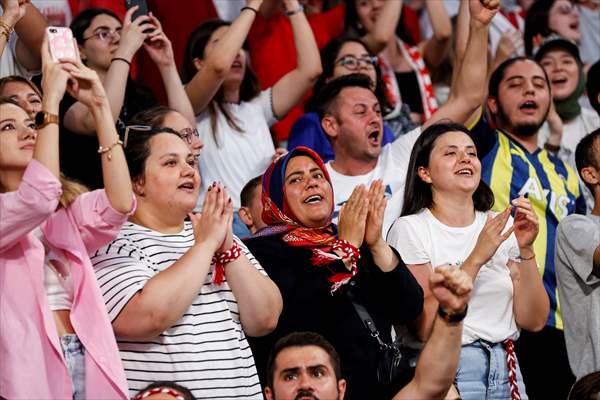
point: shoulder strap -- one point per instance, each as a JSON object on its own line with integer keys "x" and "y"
{"x": 366, "y": 319}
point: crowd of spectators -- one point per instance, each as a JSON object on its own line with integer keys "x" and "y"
{"x": 276, "y": 199}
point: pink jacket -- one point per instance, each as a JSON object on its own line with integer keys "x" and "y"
{"x": 32, "y": 364}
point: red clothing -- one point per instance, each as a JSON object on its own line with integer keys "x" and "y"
{"x": 273, "y": 53}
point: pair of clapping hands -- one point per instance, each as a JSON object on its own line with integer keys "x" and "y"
{"x": 361, "y": 217}
{"x": 213, "y": 226}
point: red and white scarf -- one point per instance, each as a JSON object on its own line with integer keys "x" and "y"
{"x": 413, "y": 56}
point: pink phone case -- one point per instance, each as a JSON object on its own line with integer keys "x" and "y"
{"x": 60, "y": 41}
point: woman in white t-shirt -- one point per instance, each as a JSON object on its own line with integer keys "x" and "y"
{"x": 233, "y": 116}
{"x": 446, "y": 220}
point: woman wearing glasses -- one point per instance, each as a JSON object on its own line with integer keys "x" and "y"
{"x": 404, "y": 65}
{"x": 107, "y": 46}
{"x": 343, "y": 56}
{"x": 233, "y": 115}
{"x": 56, "y": 340}
{"x": 183, "y": 295}
{"x": 165, "y": 117}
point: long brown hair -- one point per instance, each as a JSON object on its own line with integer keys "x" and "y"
{"x": 249, "y": 89}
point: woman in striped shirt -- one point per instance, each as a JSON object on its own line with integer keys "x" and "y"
{"x": 183, "y": 295}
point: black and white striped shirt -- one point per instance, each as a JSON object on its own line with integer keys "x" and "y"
{"x": 206, "y": 350}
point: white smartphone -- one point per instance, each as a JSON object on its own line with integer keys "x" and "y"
{"x": 60, "y": 42}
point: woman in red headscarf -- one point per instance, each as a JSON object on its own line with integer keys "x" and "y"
{"x": 318, "y": 266}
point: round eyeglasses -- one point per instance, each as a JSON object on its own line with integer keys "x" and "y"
{"x": 353, "y": 63}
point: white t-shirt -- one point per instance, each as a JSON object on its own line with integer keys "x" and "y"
{"x": 239, "y": 156}
{"x": 391, "y": 167}
{"x": 9, "y": 64}
{"x": 421, "y": 238}
{"x": 206, "y": 350}
{"x": 573, "y": 131}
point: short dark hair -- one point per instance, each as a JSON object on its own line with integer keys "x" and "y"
{"x": 137, "y": 149}
{"x": 586, "y": 387}
{"x": 84, "y": 19}
{"x": 301, "y": 339}
{"x": 329, "y": 93}
{"x": 593, "y": 85}
{"x": 417, "y": 193}
{"x": 498, "y": 74}
{"x": 248, "y": 190}
{"x": 585, "y": 155}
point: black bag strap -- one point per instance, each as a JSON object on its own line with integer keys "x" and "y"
{"x": 366, "y": 319}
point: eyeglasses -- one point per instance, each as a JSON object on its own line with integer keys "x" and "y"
{"x": 353, "y": 63}
{"x": 188, "y": 134}
{"x": 105, "y": 35}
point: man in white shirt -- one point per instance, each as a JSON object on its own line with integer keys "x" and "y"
{"x": 351, "y": 116}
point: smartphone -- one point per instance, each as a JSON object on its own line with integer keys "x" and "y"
{"x": 142, "y": 7}
{"x": 60, "y": 42}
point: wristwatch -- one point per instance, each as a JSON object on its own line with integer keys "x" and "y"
{"x": 454, "y": 317}
{"x": 43, "y": 118}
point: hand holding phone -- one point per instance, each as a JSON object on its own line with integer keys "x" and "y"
{"x": 142, "y": 8}
{"x": 60, "y": 43}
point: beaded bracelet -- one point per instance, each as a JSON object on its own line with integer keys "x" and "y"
{"x": 108, "y": 149}
{"x": 6, "y": 30}
{"x": 225, "y": 257}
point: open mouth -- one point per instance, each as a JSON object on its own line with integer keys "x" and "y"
{"x": 236, "y": 64}
{"x": 464, "y": 172}
{"x": 314, "y": 199}
{"x": 574, "y": 25}
{"x": 187, "y": 186}
{"x": 374, "y": 137}
{"x": 528, "y": 107}
{"x": 559, "y": 81}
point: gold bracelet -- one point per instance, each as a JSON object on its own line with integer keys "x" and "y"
{"x": 103, "y": 150}
{"x": 5, "y": 32}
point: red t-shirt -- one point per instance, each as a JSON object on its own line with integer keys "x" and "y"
{"x": 273, "y": 53}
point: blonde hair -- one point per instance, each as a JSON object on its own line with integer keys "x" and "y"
{"x": 70, "y": 190}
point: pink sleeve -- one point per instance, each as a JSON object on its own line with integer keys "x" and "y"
{"x": 97, "y": 221}
{"x": 34, "y": 201}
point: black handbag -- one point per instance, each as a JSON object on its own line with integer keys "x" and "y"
{"x": 396, "y": 362}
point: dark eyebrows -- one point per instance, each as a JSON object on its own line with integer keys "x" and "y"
{"x": 309, "y": 368}
{"x": 170, "y": 155}
{"x": 311, "y": 171}
{"x": 7, "y": 120}
{"x": 514, "y": 77}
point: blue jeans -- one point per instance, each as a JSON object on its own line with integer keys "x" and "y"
{"x": 483, "y": 373}
{"x": 75, "y": 358}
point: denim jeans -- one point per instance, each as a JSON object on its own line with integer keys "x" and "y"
{"x": 75, "y": 358}
{"x": 483, "y": 373}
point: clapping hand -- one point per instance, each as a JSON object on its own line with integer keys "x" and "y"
{"x": 213, "y": 225}
{"x": 353, "y": 217}
{"x": 491, "y": 237}
{"x": 526, "y": 225}
{"x": 376, "y": 212}
{"x": 451, "y": 287}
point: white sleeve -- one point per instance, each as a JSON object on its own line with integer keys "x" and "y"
{"x": 405, "y": 237}
{"x": 265, "y": 101}
{"x": 121, "y": 272}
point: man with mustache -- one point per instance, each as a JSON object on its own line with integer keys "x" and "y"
{"x": 304, "y": 366}
{"x": 513, "y": 165}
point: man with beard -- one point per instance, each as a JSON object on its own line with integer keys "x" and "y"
{"x": 351, "y": 117}
{"x": 513, "y": 165}
{"x": 303, "y": 365}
